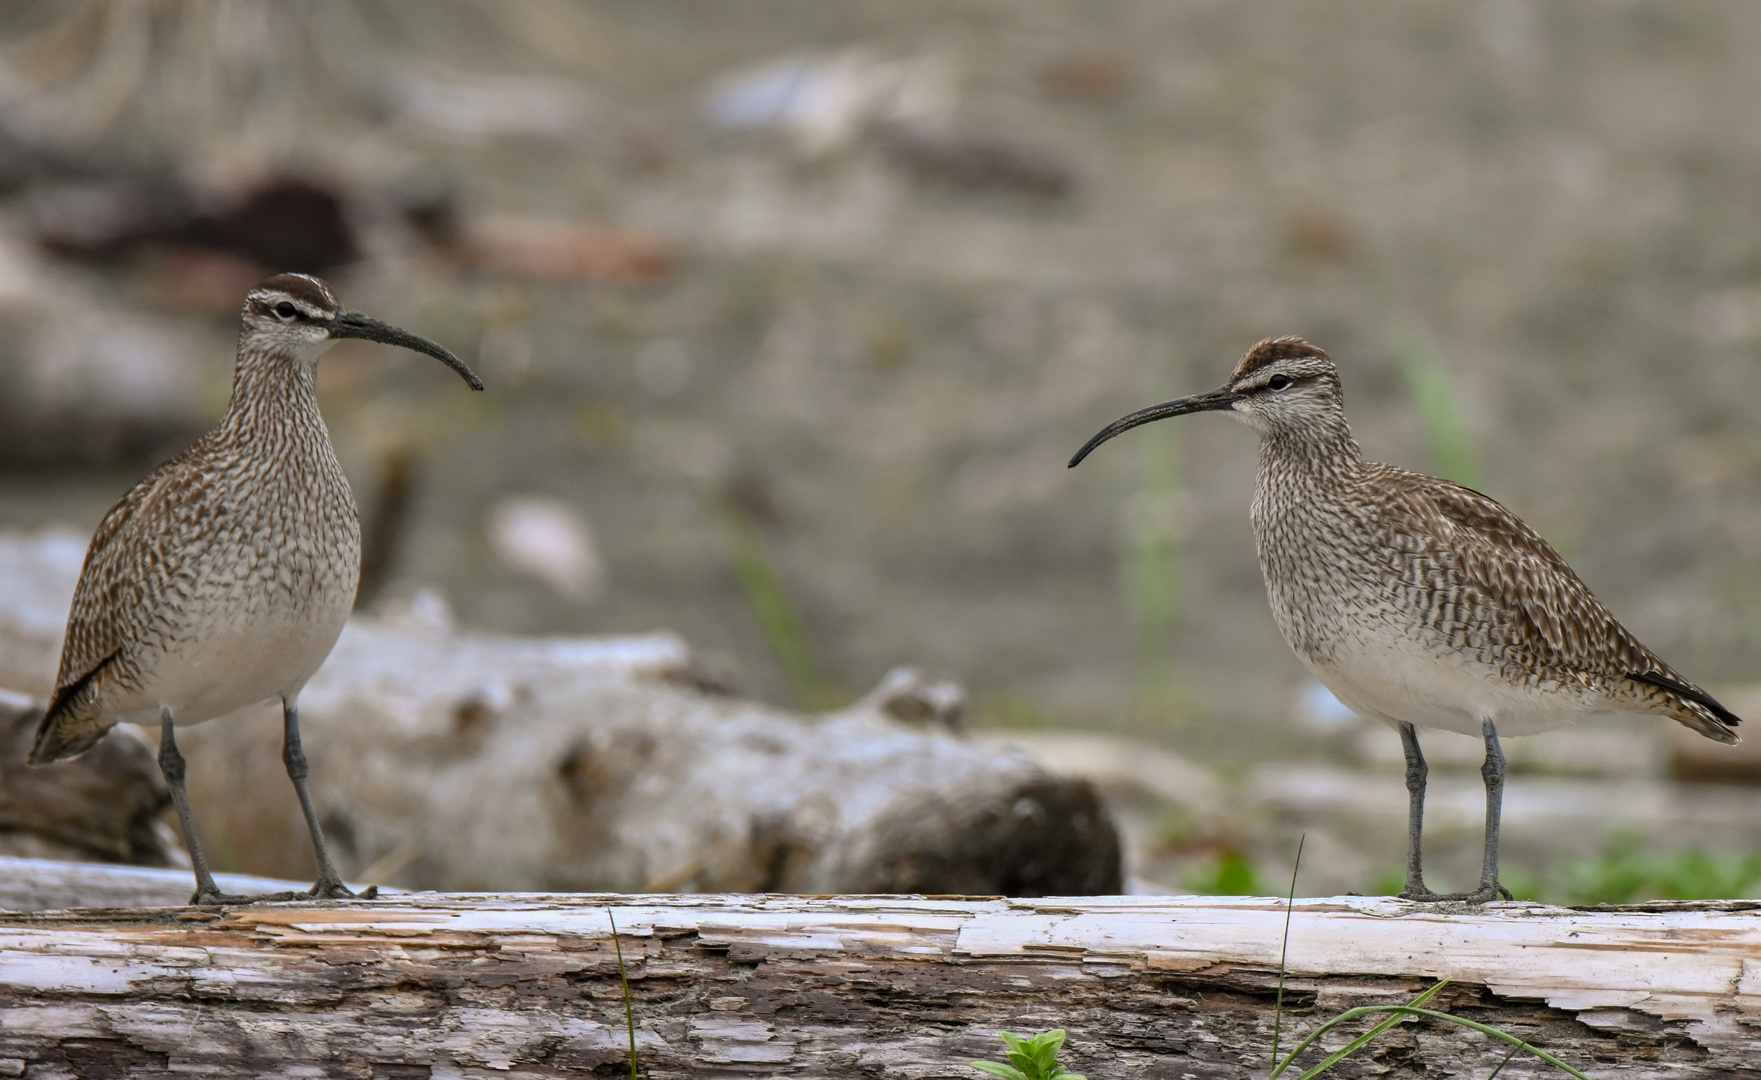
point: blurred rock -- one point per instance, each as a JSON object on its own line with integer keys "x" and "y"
{"x": 283, "y": 223}
{"x": 534, "y": 248}
{"x": 449, "y": 759}
{"x": 549, "y": 539}
{"x": 473, "y": 109}
{"x": 1096, "y": 76}
{"x": 105, "y": 806}
{"x": 1121, "y": 766}
{"x": 974, "y": 161}
{"x": 910, "y": 696}
{"x": 564, "y": 250}
{"x": 86, "y": 380}
{"x": 825, "y": 102}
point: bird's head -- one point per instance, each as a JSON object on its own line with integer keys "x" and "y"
{"x": 1281, "y": 385}
{"x": 297, "y": 316}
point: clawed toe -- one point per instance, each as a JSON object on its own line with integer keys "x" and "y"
{"x": 1483, "y": 894}
{"x": 336, "y": 890}
{"x": 324, "y": 890}
{"x": 215, "y": 898}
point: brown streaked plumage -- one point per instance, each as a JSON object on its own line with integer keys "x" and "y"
{"x": 1419, "y": 601}
{"x": 224, "y": 578}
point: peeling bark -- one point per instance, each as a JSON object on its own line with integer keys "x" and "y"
{"x": 429, "y": 985}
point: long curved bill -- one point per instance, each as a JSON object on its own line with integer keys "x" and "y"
{"x": 353, "y": 324}
{"x": 1217, "y": 399}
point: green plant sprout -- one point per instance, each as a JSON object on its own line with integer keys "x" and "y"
{"x": 1031, "y": 1058}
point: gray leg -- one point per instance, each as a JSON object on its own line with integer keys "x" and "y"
{"x": 329, "y": 886}
{"x": 1416, "y": 772}
{"x": 1493, "y": 773}
{"x": 171, "y": 764}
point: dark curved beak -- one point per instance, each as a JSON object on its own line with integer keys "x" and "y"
{"x": 353, "y": 324}
{"x": 1216, "y": 399}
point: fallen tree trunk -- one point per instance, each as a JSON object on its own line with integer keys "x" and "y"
{"x": 871, "y": 987}
{"x": 446, "y": 759}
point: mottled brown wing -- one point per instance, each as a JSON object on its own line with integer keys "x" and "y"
{"x": 98, "y": 621}
{"x": 1552, "y": 614}
{"x": 1559, "y": 620}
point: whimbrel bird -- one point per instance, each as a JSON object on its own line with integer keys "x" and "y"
{"x": 1421, "y": 602}
{"x": 224, "y": 578}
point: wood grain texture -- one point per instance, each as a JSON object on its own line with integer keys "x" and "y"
{"x": 435, "y": 985}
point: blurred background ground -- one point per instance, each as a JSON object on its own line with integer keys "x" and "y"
{"x": 792, "y": 314}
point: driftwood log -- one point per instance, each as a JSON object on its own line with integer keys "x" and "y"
{"x": 446, "y": 759}
{"x": 432, "y": 985}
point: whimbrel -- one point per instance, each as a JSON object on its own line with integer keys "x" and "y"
{"x": 224, "y": 578}
{"x": 1421, "y": 602}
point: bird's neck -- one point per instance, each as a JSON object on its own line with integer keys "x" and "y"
{"x": 274, "y": 399}
{"x": 1317, "y": 455}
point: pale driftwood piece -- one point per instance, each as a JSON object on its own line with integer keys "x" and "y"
{"x": 44, "y": 884}
{"x": 861, "y": 987}
{"x": 443, "y": 758}
{"x": 108, "y": 804}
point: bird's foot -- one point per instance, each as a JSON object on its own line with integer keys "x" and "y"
{"x": 1483, "y": 894}
{"x": 336, "y": 890}
{"x": 214, "y": 897}
{"x": 1487, "y": 893}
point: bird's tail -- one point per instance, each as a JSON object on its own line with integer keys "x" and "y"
{"x": 1693, "y": 707}
{"x": 71, "y": 725}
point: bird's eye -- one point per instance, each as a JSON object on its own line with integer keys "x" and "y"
{"x": 1277, "y": 382}
{"x": 286, "y": 310}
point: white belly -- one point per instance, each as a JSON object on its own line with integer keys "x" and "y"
{"x": 243, "y": 655}
{"x": 1399, "y": 680}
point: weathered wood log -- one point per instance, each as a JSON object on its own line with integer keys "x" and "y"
{"x": 107, "y": 804}
{"x": 872, "y": 987}
{"x": 449, "y": 759}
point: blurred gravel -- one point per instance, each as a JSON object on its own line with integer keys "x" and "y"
{"x": 885, "y": 359}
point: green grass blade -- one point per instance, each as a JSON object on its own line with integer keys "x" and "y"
{"x": 771, "y": 605}
{"x": 1487, "y": 1029}
{"x": 1284, "y": 951}
{"x": 1513, "y": 1052}
{"x": 1367, "y": 1037}
{"x": 1438, "y": 406}
{"x": 1432, "y": 1014}
{"x": 624, "y": 977}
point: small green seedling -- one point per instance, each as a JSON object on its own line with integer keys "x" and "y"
{"x": 1034, "y": 1058}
